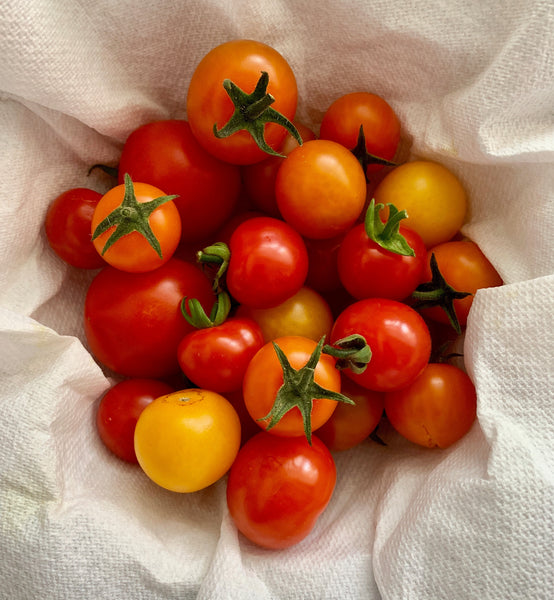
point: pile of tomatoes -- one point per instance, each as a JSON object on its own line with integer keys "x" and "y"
{"x": 266, "y": 295}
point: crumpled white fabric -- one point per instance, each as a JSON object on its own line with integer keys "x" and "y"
{"x": 473, "y": 84}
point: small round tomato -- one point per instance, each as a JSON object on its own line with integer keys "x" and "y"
{"x": 323, "y": 273}
{"x": 431, "y": 194}
{"x": 119, "y": 410}
{"x": 351, "y": 424}
{"x": 166, "y": 154}
{"x": 268, "y": 262}
{"x": 320, "y": 189}
{"x": 381, "y": 127}
{"x": 306, "y": 314}
{"x": 67, "y": 225}
{"x": 278, "y": 487}
{"x": 209, "y": 104}
{"x": 397, "y": 335}
{"x": 187, "y": 440}
{"x": 216, "y": 357}
{"x": 264, "y": 378}
{"x": 437, "y": 409}
{"x": 136, "y": 227}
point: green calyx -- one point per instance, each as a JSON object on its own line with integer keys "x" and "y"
{"x": 196, "y": 316}
{"x": 252, "y": 112}
{"x": 300, "y": 389}
{"x": 438, "y": 292}
{"x": 387, "y": 235}
{"x": 364, "y": 157}
{"x": 219, "y": 255}
{"x": 351, "y": 352}
{"x": 130, "y": 216}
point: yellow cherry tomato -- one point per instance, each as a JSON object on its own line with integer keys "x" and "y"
{"x": 305, "y": 314}
{"x": 433, "y": 197}
{"x": 187, "y": 440}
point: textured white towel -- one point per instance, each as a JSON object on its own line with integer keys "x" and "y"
{"x": 473, "y": 84}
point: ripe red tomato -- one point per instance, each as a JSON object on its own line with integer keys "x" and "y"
{"x": 119, "y": 410}
{"x": 278, "y": 487}
{"x": 320, "y": 189}
{"x": 397, "y": 335}
{"x": 216, "y": 357}
{"x": 67, "y": 226}
{"x": 208, "y": 103}
{"x": 166, "y": 155}
{"x": 133, "y": 321}
{"x": 323, "y": 273}
{"x": 142, "y": 241}
{"x": 268, "y": 263}
{"x": 437, "y": 409}
{"x": 342, "y": 120}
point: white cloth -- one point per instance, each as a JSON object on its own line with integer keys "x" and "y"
{"x": 472, "y": 83}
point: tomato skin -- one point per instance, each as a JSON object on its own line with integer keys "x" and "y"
{"x": 323, "y": 273}
{"x": 431, "y": 194}
{"x": 133, "y": 321}
{"x": 166, "y": 155}
{"x": 464, "y": 267}
{"x": 269, "y": 262}
{"x": 397, "y": 335}
{"x": 187, "y": 440}
{"x": 320, "y": 189}
{"x": 437, "y": 409}
{"x": 341, "y": 123}
{"x": 133, "y": 252}
{"x": 369, "y": 271}
{"x": 216, "y": 357}
{"x": 351, "y": 424}
{"x": 67, "y": 227}
{"x": 241, "y": 61}
{"x": 119, "y": 410}
{"x": 278, "y": 487}
{"x": 305, "y": 314}
{"x": 264, "y": 377}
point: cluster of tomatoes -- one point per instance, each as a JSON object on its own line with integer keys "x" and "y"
{"x": 258, "y": 307}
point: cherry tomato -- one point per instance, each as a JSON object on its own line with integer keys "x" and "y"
{"x": 264, "y": 378}
{"x": 67, "y": 226}
{"x": 437, "y": 409}
{"x": 268, "y": 263}
{"x": 134, "y": 252}
{"x": 466, "y": 269}
{"x": 306, "y": 314}
{"x": 351, "y": 424}
{"x": 248, "y": 428}
{"x": 342, "y": 120}
{"x": 323, "y": 273}
{"x": 397, "y": 335}
{"x": 320, "y": 189}
{"x": 432, "y": 195}
{"x": 165, "y": 154}
{"x": 133, "y": 321}
{"x": 187, "y": 440}
{"x": 119, "y": 410}
{"x": 216, "y": 357}
{"x": 278, "y": 487}
{"x": 208, "y": 104}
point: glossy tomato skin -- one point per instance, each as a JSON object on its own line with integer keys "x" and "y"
{"x": 119, "y": 410}
{"x": 133, "y": 252}
{"x": 268, "y": 264}
{"x": 187, "y": 440}
{"x": 133, "y": 321}
{"x": 437, "y": 409}
{"x": 369, "y": 271}
{"x": 464, "y": 267}
{"x": 397, "y": 335}
{"x": 320, "y": 189}
{"x": 67, "y": 226}
{"x": 166, "y": 154}
{"x": 341, "y": 123}
{"x": 278, "y": 487}
{"x": 264, "y": 377}
{"x": 216, "y": 357}
{"x": 208, "y": 104}
{"x": 431, "y": 194}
